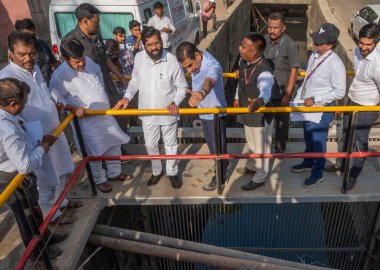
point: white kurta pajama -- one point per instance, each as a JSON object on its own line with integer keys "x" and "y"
{"x": 57, "y": 163}
{"x": 102, "y": 135}
{"x": 159, "y": 84}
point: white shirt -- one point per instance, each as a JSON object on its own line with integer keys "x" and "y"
{"x": 328, "y": 82}
{"x": 40, "y": 107}
{"x": 86, "y": 89}
{"x": 158, "y": 23}
{"x": 16, "y": 150}
{"x": 365, "y": 87}
{"x": 159, "y": 84}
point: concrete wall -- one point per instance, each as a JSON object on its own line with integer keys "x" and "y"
{"x": 224, "y": 43}
{"x": 319, "y": 13}
{"x": 10, "y": 11}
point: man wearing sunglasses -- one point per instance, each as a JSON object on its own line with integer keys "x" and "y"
{"x": 324, "y": 83}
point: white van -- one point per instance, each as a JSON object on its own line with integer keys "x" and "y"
{"x": 183, "y": 13}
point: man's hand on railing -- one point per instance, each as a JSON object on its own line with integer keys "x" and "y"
{"x": 79, "y": 112}
{"x": 49, "y": 139}
{"x": 285, "y": 100}
{"x": 236, "y": 74}
{"x": 45, "y": 146}
{"x": 173, "y": 109}
{"x": 236, "y": 103}
{"x": 308, "y": 102}
{"x": 195, "y": 97}
{"x": 254, "y": 104}
{"x": 121, "y": 104}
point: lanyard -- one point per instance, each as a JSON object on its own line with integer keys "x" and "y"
{"x": 278, "y": 49}
{"x": 250, "y": 76}
{"x": 312, "y": 71}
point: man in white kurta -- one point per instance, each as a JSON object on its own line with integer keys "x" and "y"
{"x": 82, "y": 85}
{"x": 57, "y": 164}
{"x": 161, "y": 83}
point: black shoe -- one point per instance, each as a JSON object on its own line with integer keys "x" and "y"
{"x": 176, "y": 181}
{"x": 154, "y": 179}
{"x": 350, "y": 183}
{"x": 252, "y": 185}
{"x": 245, "y": 170}
{"x": 333, "y": 168}
{"x": 57, "y": 237}
{"x": 211, "y": 185}
{"x": 53, "y": 251}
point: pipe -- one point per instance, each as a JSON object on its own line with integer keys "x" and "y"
{"x": 237, "y": 156}
{"x": 33, "y": 243}
{"x": 16, "y": 182}
{"x": 170, "y": 242}
{"x": 179, "y": 255}
{"x": 187, "y": 111}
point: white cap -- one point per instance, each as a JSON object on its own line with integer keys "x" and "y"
{"x": 212, "y": 1}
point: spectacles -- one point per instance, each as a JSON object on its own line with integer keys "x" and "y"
{"x": 154, "y": 44}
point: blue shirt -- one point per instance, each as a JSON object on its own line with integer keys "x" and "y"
{"x": 210, "y": 68}
{"x": 130, "y": 42}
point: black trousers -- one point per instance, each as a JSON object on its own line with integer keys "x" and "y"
{"x": 281, "y": 124}
{"x": 27, "y": 195}
{"x": 363, "y": 127}
{"x": 209, "y": 133}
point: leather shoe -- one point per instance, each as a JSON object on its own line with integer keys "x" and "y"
{"x": 350, "y": 183}
{"x": 210, "y": 186}
{"x": 57, "y": 237}
{"x": 333, "y": 168}
{"x": 252, "y": 185}
{"x": 176, "y": 181}
{"x": 154, "y": 179}
{"x": 245, "y": 170}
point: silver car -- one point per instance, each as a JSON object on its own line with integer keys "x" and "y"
{"x": 368, "y": 14}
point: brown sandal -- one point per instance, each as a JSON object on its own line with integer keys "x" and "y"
{"x": 64, "y": 219}
{"x": 104, "y": 187}
{"x": 121, "y": 177}
{"x": 73, "y": 204}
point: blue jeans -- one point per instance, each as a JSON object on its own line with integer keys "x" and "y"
{"x": 315, "y": 136}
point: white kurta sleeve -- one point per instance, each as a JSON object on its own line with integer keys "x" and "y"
{"x": 265, "y": 83}
{"x": 59, "y": 92}
{"x": 16, "y": 150}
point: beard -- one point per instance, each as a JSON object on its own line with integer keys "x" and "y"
{"x": 155, "y": 56}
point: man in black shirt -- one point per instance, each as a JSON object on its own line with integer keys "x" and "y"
{"x": 87, "y": 32}
{"x": 45, "y": 58}
{"x": 282, "y": 52}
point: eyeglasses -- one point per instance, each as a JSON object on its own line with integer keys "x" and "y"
{"x": 154, "y": 44}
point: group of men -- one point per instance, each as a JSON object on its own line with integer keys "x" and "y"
{"x": 267, "y": 75}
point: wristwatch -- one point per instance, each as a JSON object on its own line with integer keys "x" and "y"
{"x": 203, "y": 92}
{"x": 262, "y": 101}
{"x": 313, "y": 99}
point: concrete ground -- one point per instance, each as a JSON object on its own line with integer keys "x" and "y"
{"x": 283, "y": 186}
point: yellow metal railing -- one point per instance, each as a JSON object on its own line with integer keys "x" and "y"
{"x": 4, "y": 196}
{"x": 234, "y": 76}
{"x": 16, "y": 182}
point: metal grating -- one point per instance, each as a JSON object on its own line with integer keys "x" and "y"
{"x": 333, "y": 235}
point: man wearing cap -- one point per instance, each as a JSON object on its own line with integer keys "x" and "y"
{"x": 324, "y": 83}
{"x": 364, "y": 91}
{"x": 282, "y": 53}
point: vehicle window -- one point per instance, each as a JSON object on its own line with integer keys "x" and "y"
{"x": 66, "y": 22}
{"x": 147, "y": 14}
{"x": 189, "y": 6}
{"x": 363, "y": 13}
{"x": 371, "y": 15}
